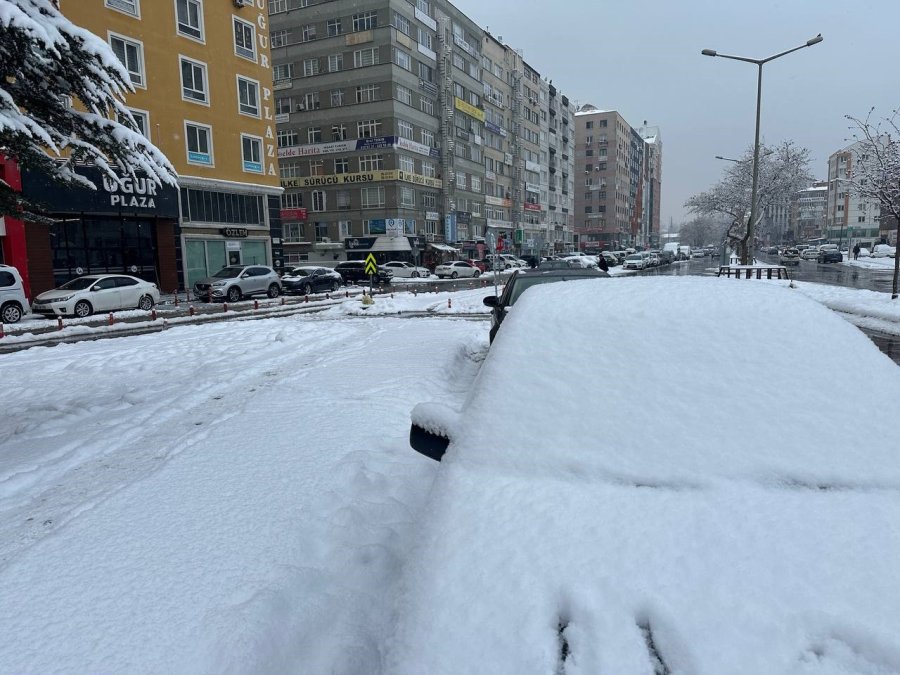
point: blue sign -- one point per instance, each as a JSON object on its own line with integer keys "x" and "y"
{"x": 450, "y": 228}
{"x": 377, "y": 226}
{"x": 496, "y": 128}
{"x": 376, "y": 143}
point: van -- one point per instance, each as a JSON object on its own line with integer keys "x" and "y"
{"x": 684, "y": 252}
{"x": 13, "y": 303}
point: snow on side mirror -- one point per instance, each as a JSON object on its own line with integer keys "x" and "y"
{"x": 430, "y": 432}
{"x": 427, "y": 443}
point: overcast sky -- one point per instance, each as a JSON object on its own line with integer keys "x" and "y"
{"x": 644, "y": 61}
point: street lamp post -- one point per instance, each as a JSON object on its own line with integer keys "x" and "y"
{"x": 746, "y": 257}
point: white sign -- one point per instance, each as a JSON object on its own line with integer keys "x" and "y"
{"x": 420, "y": 148}
{"x": 432, "y": 215}
{"x": 532, "y": 166}
{"x": 424, "y": 18}
{"x": 317, "y": 149}
{"x": 393, "y": 227}
{"x": 233, "y": 245}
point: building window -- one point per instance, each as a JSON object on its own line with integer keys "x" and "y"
{"x": 284, "y": 105}
{"x": 367, "y": 93}
{"x": 193, "y": 81}
{"x": 401, "y": 23}
{"x": 405, "y": 129}
{"x": 343, "y": 228}
{"x": 199, "y": 143}
{"x": 428, "y": 169}
{"x": 283, "y": 72}
{"x": 371, "y": 163}
{"x": 404, "y": 95}
{"x": 132, "y": 7}
{"x": 427, "y": 138}
{"x": 318, "y": 200}
{"x": 429, "y": 200}
{"x": 339, "y": 132}
{"x": 317, "y": 167}
{"x": 426, "y": 72}
{"x": 426, "y": 105}
{"x": 292, "y": 200}
{"x": 337, "y": 98}
{"x": 314, "y": 135}
{"x": 311, "y": 101}
{"x": 407, "y": 197}
{"x": 248, "y": 96}
{"x": 251, "y": 153}
{"x": 279, "y": 38}
{"x": 276, "y": 6}
{"x": 141, "y": 120}
{"x": 335, "y": 62}
{"x": 322, "y": 231}
{"x": 365, "y": 21}
{"x": 287, "y": 138}
{"x": 372, "y": 197}
{"x": 244, "y": 39}
{"x": 342, "y": 165}
{"x": 189, "y": 16}
{"x": 289, "y": 170}
{"x": 131, "y": 54}
{"x": 402, "y": 59}
{"x": 343, "y": 200}
{"x": 476, "y": 184}
{"x": 334, "y": 27}
{"x": 365, "y": 57}
{"x": 310, "y": 67}
{"x": 425, "y": 38}
{"x": 407, "y": 164}
{"x": 309, "y": 32}
{"x": 368, "y": 129}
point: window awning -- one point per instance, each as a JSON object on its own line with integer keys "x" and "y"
{"x": 443, "y": 247}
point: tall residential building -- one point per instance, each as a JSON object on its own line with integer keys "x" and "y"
{"x": 807, "y": 213}
{"x": 202, "y": 77}
{"x": 617, "y": 199}
{"x": 847, "y": 215}
{"x": 404, "y": 129}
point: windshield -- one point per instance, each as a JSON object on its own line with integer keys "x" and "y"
{"x": 228, "y": 273}
{"x": 636, "y": 256}
{"x": 79, "y": 284}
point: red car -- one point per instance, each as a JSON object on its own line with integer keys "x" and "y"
{"x": 480, "y": 264}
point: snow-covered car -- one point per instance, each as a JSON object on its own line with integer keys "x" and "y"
{"x": 456, "y": 268}
{"x": 13, "y": 303}
{"x": 884, "y": 251}
{"x": 556, "y": 540}
{"x": 239, "y": 281}
{"x": 307, "y": 280}
{"x": 790, "y": 256}
{"x": 86, "y": 295}
{"x": 809, "y": 254}
{"x": 405, "y": 270}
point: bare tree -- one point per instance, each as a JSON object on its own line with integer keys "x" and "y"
{"x": 700, "y": 231}
{"x": 783, "y": 170}
{"x": 875, "y": 169}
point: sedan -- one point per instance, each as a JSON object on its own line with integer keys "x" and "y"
{"x": 790, "y": 256}
{"x": 635, "y": 261}
{"x": 457, "y": 268}
{"x": 810, "y": 254}
{"x": 555, "y": 539}
{"x": 308, "y": 280}
{"x": 827, "y": 255}
{"x": 405, "y": 270}
{"x": 83, "y": 296}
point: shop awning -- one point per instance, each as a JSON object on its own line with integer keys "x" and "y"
{"x": 391, "y": 244}
{"x": 443, "y": 247}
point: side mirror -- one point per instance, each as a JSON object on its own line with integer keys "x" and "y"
{"x": 491, "y": 300}
{"x": 427, "y": 443}
{"x": 245, "y": 275}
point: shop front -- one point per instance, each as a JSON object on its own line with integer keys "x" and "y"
{"x": 125, "y": 226}
{"x": 385, "y": 249}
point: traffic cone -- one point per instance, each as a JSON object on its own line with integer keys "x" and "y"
{"x": 153, "y": 315}
{"x": 110, "y": 320}
{"x": 256, "y": 304}
{"x": 224, "y": 306}
{"x": 59, "y": 324}
{"x": 191, "y": 310}
{"x": 449, "y": 304}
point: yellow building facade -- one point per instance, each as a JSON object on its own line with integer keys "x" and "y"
{"x": 202, "y": 75}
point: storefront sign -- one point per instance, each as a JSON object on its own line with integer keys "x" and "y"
{"x": 464, "y": 217}
{"x": 496, "y": 128}
{"x": 292, "y": 215}
{"x": 233, "y": 232}
{"x": 497, "y": 201}
{"x": 468, "y": 109}
{"x": 359, "y": 243}
{"x": 365, "y": 177}
{"x": 450, "y": 228}
{"x": 529, "y": 206}
{"x": 133, "y": 195}
{"x": 424, "y": 18}
{"x": 532, "y": 166}
{"x": 374, "y": 143}
{"x": 432, "y": 215}
{"x": 531, "y": 187}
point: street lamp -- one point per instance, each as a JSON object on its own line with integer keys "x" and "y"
{"x": 746, "y": 257}
{"x": 728, "y": 159}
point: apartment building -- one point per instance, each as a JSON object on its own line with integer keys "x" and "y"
{"x": 847, "y": 215}
{"x": 807, "y": 213}
{"x": 405, "y": 129}
{"x": 617, "y": 201}
{"x": 560, "y": 200}
{"x": 201, "y": 71}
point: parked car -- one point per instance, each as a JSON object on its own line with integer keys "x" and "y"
{"x": 590, "y": 546}
{"x": 698, "y": 253}
{"x": 655, "y": 260}
{"x": 308, "y": 280}
{"x": 666, "y": 257}
{"x": 521, "y": 280}
{"x": 790, "y": 256}
{"x": 611, "y": 259}
{"x": 85, "y": 295}
{"x": 884, "y": 251}
{"x": 828, "y": 255}
{"x": 634, "y": 261}
{"x": 13, "y": 303}
{"x": 502, "y": 262}
{"x": 405, "y": 270}
{"x": 457, "y": 268}
{"x": 482, "y": 265}
{"x": 809, "y": 254}
{"x": 235, "y": 282}
{"x": 354, "y": 271}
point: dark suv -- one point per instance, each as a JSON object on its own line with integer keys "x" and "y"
{"x": 355, "y": 271}
{"x": 526, "y": 278}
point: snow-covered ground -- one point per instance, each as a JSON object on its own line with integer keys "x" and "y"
{"x": 231, "y": 497}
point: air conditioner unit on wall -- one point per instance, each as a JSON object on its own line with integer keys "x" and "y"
{"x": 243, "y": 3}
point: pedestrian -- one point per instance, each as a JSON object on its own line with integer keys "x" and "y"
{"x": 602, "y": 264}
{"x": 856, "y": 252}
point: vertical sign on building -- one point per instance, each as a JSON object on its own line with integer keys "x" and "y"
{"x": 450, "y": 228}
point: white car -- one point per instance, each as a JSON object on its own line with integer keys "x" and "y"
{"x": 13, "y": 303}
{"x": 809, "y": 254}
{"x": 457, "y": 268}
{"x": 405, "y": 270}
{"x": 884, "y": 251}
{"x": 556, "y": 540}
{"x": 84, "y": 296}
{"x": 634, "y": 261}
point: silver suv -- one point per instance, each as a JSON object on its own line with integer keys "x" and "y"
{"x": 13, "y": 303}
{"x": 239, "y": 281}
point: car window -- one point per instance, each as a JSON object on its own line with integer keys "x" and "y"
{"x": 105, "y": 284}
{"x": 228, "y": 273}
{"x": 6, "y": 279}
{"x": 125, "y": 281}
{"x": 79, "y": 284}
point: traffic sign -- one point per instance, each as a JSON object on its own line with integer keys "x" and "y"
{"x": 371, "y": 266}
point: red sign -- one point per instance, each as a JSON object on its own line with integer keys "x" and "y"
{"x": 292, "y": 215}
{"x": 529, "y": 206}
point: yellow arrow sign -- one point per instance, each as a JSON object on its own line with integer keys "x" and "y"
{"x": 371, "y": 266}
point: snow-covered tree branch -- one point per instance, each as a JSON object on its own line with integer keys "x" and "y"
{"x": 46, "y": 63}
{"x": 875, "y": 169}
